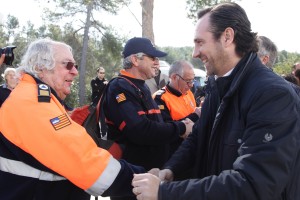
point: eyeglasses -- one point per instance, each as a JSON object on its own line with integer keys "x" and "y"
{"x": 155, "y": 59}
{"x": 70, "y": 65}
{"x": 190, "y": 82}
{"x": 101, "y": 72}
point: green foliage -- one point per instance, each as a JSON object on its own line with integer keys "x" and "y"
{"x": 193, "y": 6}
{"x": 285, "y": 62}
{"x": 104, "y": 48}
{"x": 12, "y": 24}
{"x": 102, "y": 51}
{"x": 77, "y": 9}
{"x": 182, "y": 53}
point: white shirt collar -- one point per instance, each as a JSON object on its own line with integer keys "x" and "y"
{"x": 227, "y": 74}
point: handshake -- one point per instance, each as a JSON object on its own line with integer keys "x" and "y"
{"x": 145, "y": 186}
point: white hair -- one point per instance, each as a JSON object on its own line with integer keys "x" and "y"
{"x": 39, "y": 55}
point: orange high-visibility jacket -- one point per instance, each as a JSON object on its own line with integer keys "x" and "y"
{"x": 174, "y": 105}
{"x": 46, "y": 132}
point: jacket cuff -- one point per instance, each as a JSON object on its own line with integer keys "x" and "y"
{"x": 193, "y": 116}
{"x": 182, "y": 128}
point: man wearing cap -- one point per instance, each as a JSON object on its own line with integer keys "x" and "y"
{"x": 132, "y": 116}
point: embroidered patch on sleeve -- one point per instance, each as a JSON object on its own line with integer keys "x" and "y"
{"x": 120, "y": 97}
{"x": 60, "y": 122}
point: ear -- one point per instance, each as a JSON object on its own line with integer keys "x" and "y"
{"x": 40, "y": 72}
{"x": 265, "y": 59}
{"x": 173, "y": 77}
{"x": 228, "y": 36}
{"x": 134, "y": 60}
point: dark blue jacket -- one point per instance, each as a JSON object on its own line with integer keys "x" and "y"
{"x": 248, "y": 147}
{"x": 4, "y": 93}
{"x": 134, "y": 120}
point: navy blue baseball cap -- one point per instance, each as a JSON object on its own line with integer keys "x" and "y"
{"x": 141, "y": 45}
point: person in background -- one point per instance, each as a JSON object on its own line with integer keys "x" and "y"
{"x": 44, "y": 154}
{"x": 176, "y": 101}
{"x": 297, "y": 75}
{"x": 267, "y": 53}
{"x": 295, "y": 67}
{"x": 292, "y": 79}
{"x": 11, "y": 82}
{"x": 200, "y": 95}
{"x": 98, "y": 84}
{"x": 159, "y": 81}
{"x": 133, "y": 118}
{"x": 246, "y": 144}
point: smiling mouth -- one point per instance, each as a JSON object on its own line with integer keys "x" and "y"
{"x": 69, "y": 81}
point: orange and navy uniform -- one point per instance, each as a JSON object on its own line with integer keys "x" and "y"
{"x": 45, "y": 155}
{"x": 174, "y": 105}
{"x": 135, "y": 122}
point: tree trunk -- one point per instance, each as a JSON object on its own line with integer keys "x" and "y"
{"x": 82, "y": 68}
{"x": 147, "y": 19}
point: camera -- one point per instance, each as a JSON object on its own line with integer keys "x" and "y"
{"x": 9, "y": 54}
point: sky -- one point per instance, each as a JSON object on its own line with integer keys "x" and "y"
{"x": 276, "y": 19}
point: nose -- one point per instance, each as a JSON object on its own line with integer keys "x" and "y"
{"x": 191, "y": 84}
{"x": 196, "y": 52}
{"x": 74, "y": 71}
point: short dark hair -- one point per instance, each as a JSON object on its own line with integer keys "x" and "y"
{"x": 232, "y": 15}
{"x": 100, "y": 68}
{"x": 297, "y": 73}
{"x": 291, "y": 78}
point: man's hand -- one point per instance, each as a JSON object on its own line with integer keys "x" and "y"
{"x": 145, "y": 186}
{"x": 154, "y": 171}
{"x": 198, "y": 111}
{"x": 189, "y": 127}
{"x": 166, "y": 175}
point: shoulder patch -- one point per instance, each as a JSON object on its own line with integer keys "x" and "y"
{"x": 60, "y": 122}
{"x": 120, "y": 97}
{"x": 44, "y": 93}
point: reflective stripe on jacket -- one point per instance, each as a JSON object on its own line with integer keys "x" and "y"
{"x": 46, "y": 132}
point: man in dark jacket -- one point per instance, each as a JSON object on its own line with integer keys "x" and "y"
{"x": 133, "y": 118}
{"x": 246, "y": 144}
